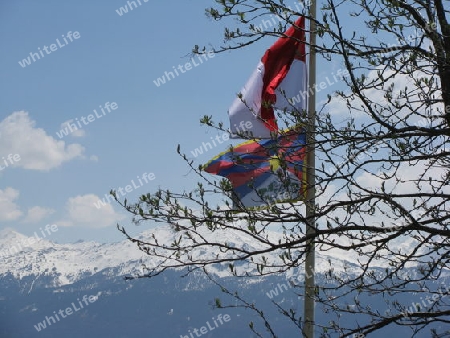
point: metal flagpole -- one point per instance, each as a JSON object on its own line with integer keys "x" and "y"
{"x": 308, "y": 325}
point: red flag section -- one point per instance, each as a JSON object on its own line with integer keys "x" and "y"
{"x": 278, "y": 82}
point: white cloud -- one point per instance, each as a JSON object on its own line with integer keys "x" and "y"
{"x": 77, "y": 132}
{"x": 81, "y": 211}
{"x": 399, "y": 81}
{"x": 36, "y": 214}
{"x": 9, "y": 211}
{"x": 406, "y": 179}
{"x": 373, "y": 182}
{"x": 37, "y": 150}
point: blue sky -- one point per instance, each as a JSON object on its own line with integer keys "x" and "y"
{"x": 115, "y": 59}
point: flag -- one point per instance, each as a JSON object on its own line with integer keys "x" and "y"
{"x": 267, "y": 171}
{"x": 279, "y": 82}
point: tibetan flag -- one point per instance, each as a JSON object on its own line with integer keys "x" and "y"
{"x": 264, "y": 172}
{"x": 279, "y": 82}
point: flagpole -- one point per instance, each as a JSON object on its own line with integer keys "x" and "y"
{"x": 308, "y": 325}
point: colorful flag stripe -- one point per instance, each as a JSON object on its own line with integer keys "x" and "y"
{"x": 255, "y": 169}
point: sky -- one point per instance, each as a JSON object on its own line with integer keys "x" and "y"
{"x": 87, "y": 64}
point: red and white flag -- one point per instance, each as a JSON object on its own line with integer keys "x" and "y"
{"x": 279, "y": 82}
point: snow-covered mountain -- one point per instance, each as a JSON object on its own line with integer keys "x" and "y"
{"x": 24, "y": 256}
{"x": 39, "y": 278}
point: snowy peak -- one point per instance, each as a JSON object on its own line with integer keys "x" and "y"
{"x": 13, "y": 243}
{"x": 24, "y": 256}
{"x": 35, "y": 255}
{"x": 9, "y": 235}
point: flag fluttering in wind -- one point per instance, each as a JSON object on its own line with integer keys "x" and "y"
{"x": 279, "y": 82}
{"x": 264, "y": 172}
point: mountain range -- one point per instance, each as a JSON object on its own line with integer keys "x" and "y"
{"x": 79, "y": 290}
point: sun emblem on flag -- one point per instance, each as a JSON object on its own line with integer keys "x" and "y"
{"x": 275, "y": 163}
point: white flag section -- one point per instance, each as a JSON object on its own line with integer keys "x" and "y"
{"x": 247, "y": 108}
{"x": 279, "y": 82}
{"x": 292, "y": 91}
